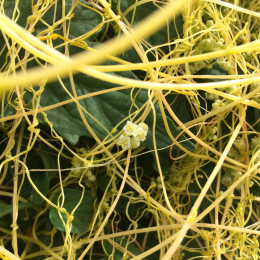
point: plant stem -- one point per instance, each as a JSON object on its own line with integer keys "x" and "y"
{"x": 15, "y": 189}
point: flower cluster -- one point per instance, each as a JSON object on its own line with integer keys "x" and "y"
{"x": 78, "y": 165}
{"x": 82, "y": 166}
{"x": 132, "y": 135}
{"x": 212, "y": 136}
{"x": 157, "y": 182}
{"x": 238, "y": 152}
{"x": 230, "y": 176}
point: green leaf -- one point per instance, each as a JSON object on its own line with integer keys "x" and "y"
{"x": 7, "y": 209}
{"x": 108, "y": 110}
{"x": 178, "y": 103}
{"x": 83, "y": 21}
{"x": 145, "y": 162}
{"x": 25, "y": 10}
{"x": 82, "y": 215}
{"x": 162, "y": 36}
{"x": 41, "y": 180}
{"x": 165, "y": 161}
{"x": 215, "y": 70}
{"x": 144, "y": 10}
{"x": 9, "y": 110}
{"x": 102, "y": 182}
{"x": 116, "y": 254}
{"x": 8, "y": 9}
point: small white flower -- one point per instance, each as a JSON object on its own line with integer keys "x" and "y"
{"x": 141, "y": 133}
{"x": 143, "y": 126}
{"x": 134, "y": 143}
{"x": 132, "y": 135}
{"x": 130, "y": 128}
{"x": 124, "y": 141}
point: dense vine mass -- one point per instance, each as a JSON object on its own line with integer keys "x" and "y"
{"x": 129, "y": 129}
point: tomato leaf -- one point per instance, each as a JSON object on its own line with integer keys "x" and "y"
{"x": 82, "y": 215}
